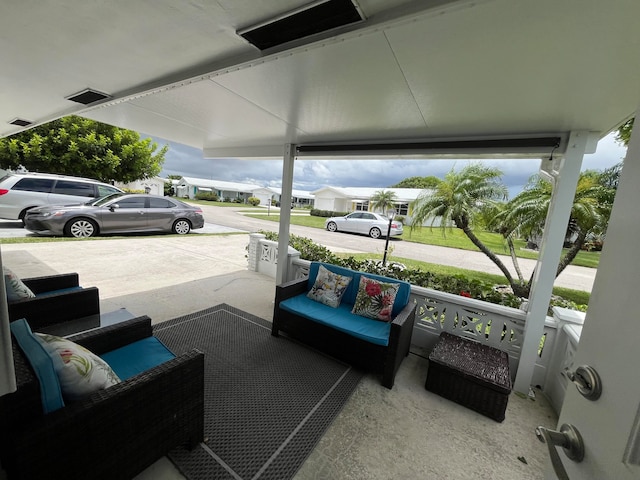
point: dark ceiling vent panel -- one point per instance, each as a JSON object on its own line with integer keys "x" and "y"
{"x": 315, "y": 18}
{"x": 20, "y": 122}
{"x": 88, "y": 96}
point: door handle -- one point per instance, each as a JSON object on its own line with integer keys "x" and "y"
{"x": 571, "y": 442}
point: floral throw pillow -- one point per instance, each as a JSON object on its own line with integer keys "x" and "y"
{"x": 375, "y": 299}
{"x": 80, "y": 372}
{"x": 16, "y": 289}
{"x": 329, "y": 287}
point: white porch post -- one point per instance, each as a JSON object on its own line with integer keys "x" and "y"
{"x": 285, "y": 212}
{"x": 550, "y": 251}
{"x": 7, "y": 373}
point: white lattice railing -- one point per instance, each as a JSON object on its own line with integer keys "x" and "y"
{"x": 488, "y": 323}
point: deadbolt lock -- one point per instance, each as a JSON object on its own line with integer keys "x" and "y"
{"x": 586, "y": 380}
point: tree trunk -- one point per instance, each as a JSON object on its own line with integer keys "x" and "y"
{"x": 571, "y": 254}
{"x": 514, "y": 259}
{"x": 476, "y": 241}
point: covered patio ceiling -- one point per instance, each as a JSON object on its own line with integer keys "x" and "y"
{"x": 411, "y": 71}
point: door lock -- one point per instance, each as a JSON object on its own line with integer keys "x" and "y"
{"x": 571, "y": 442}
{"x": 586, "y": 380}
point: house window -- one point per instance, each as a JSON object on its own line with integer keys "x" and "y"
{"x": 402, "y": 208}
{"x": 362, "y": 206}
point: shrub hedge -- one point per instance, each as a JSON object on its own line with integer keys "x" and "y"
{"x": 210, "y": 196}
{"x": 455, "y": 284}
{"x": 326, "y": 213}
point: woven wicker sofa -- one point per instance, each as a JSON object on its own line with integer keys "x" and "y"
{"x": 306, "y": 321}
{"x": 58, "y": 298}
{"x": 113, "y": 433}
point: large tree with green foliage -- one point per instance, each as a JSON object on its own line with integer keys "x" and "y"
{"x": 418, "y": 182}
{"x": 78, "y": 146}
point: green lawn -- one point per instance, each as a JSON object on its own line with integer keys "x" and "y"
{"x": 453, "y": 238}
{"x": 213, "y": 204}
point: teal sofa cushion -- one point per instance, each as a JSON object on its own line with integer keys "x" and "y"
{"x": 42, "y": 364}
{"x": 137, "y": 357}
{"x": 341, "y": 319}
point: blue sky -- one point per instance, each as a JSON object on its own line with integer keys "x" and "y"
{"x": 313, "y": 174}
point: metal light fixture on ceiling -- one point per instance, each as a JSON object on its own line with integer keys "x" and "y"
{"x": 550, "y": 167}
{"x": 88, "y": 96}
{"x": 21, "y": 122}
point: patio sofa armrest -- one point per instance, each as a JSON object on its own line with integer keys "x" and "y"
{"x": 399, "y": 342}
{"x": 116, "y": 432}
{"x": 283, "y": 292}
{"x": 109, "y": 338}
{"x": 57, "y": 307}
{"x": 50, "y": 283}
{"x": 291, "y": 289}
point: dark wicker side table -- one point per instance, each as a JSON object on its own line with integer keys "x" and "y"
{"x": 471, "y": 374}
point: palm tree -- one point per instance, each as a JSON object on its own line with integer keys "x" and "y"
{"x": 527, "y": 212}
{"x": 459, "y": 199}
{"x": 382, "y": 200}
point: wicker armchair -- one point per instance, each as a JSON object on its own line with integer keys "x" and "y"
{"x": 114, "y": 433}
{"x": 58, "y": 298}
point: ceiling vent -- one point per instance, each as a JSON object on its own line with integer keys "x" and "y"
{"x": 88, "y": 96}
{"x": 21, "y": 122}
{"x": 314, "y": 18}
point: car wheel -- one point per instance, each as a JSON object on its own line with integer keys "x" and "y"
{"x": 23, "y": 214}
{"x": 332, "y": 227}
{"x": 375, "y": 232}
{"x": 81, "y": 228}
{"x": 181, "y": 227}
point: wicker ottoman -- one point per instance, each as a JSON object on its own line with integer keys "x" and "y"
{"x": 471, "y": 374}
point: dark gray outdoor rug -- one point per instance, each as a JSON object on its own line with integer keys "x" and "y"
{"x": 268, "y": 400}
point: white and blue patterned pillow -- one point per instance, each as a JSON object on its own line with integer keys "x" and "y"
{"x": 16, "y": 289}
{"x": 329, "y": 287}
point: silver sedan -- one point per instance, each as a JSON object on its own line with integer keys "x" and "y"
{"x": 117, "y": 213}
{"x": 366, "y": 223}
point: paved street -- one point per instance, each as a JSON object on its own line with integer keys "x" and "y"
{"x": 228, "y": 220}
{"x": 578, "y": 278}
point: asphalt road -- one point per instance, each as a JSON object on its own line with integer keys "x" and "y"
{"x": 578, "y": 278}
{"x": 229, "y": 219}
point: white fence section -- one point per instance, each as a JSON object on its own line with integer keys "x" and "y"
{"x": 495, "y": 325}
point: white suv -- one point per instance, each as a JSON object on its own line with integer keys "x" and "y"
{"x": 21, "y": 191}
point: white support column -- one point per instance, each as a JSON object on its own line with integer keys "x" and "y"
{"x": 7, "y": 372}
{"x": 285, "y": 213}
{"x": 555, "y": 230}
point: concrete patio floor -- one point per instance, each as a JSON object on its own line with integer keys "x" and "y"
{"x": 403, "y": 433}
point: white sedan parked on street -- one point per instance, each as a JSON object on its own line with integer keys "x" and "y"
{"x": 366, "y": 223}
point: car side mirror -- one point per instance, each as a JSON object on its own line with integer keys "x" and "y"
{"x": 114, "y": 207}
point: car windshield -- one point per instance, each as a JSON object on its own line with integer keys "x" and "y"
{"x": 98, "y": 202}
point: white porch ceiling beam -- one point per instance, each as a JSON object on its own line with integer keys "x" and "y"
{"x": 511, "y": 146}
